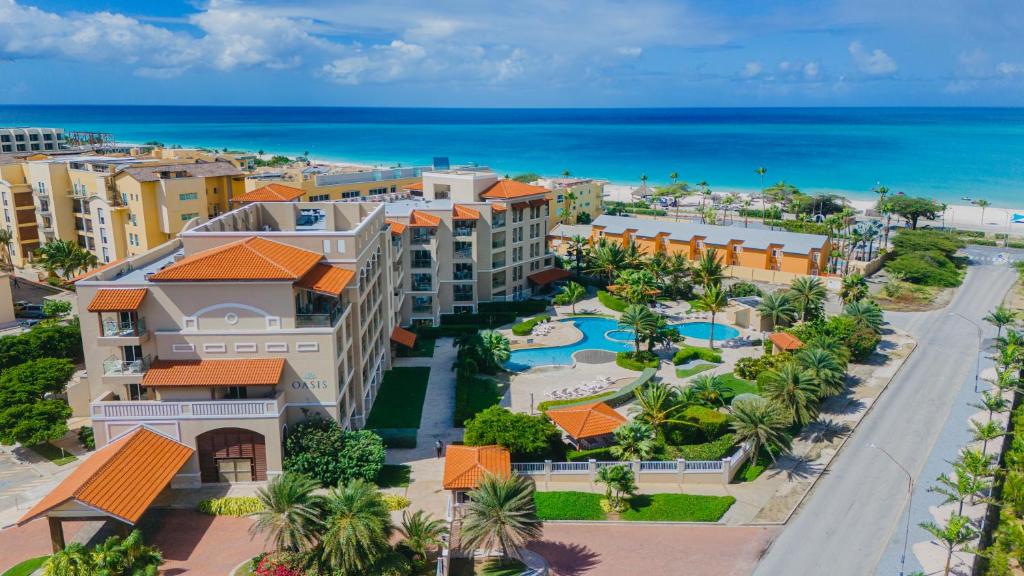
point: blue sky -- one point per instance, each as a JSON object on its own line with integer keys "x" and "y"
{"x": 507, "y": 54}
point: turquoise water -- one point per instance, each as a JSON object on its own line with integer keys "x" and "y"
{"x": 603, "y": 334}
{"x": 945, "y": 153}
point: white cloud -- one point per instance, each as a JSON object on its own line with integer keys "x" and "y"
{"x": 874, "y": 63}
{"x": 811, "y": 70}
{"x": 751, "y": 70}
{"x": 629, "y": 50}
{"x": 1010, "y": 69}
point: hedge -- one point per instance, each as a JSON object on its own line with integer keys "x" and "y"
{"x": 474, "y": 394}
{"x": 488, "y": 320}
{"x": 518, "y": 307}
{"x": 714, "y": 450}
{"x": 645, "y": 211}
{"x": 600, "y": 454}
{"x": 445, "y": 331}
{"x": 1014, "y": 244}
{"x": 981, "y": 242}
{"x": 614, "y": 399}
{"x": 1001, "y": 235}
{"x": 689, "y": 353}
{"x": 970, "y": 233}
{"x": 395, "y": 502}
{"x": 611, "y": 301}
{"x": 525, "y": 327}
{"x": 630, "y": 361}
{"x": 230, "y": 506}
{"x": 397, "y": 437}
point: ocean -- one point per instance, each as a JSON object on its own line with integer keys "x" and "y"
{"x": 942, "y": 153}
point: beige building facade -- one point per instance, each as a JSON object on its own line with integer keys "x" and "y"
{"x": 323, "y": 184}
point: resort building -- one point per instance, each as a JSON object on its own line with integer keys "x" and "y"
{"x": 13, "y": 140}
{"x": 252, "y": 321}
{"x": 355, "y": 184}
{"x": 574, "y": 200}
{"x": 748, "y": 253}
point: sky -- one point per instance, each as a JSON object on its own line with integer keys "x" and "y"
{"x": 536, "y": 53}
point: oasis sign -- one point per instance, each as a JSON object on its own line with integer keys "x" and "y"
{"x": 309, "y": 382}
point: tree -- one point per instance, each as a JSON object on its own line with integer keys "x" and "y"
{"x": 866, "y": 314}
{"x": 634, "y": 440}
{"x": 494, "y": 350}
{"x": 357, "y": 529}
{"x": 710, "y": 389}
{"x": 808, "y": 293}
{"x": 55, "y": 309}
{"x": 619, "y": 482}
{"x": 982, "y": 204}
{"x": 713, "y": 300}
{"x": 501, "y": 515}
{"x": 1000, "y": 318}
{"x": 571, "y": 293}
{"x": 761, "y": 171}
{"x": 421, "y": 533}
{"x": 657, "y": 404}
{"x": 290, "y": 512}
{"x": 912, "y": 209}
{"x": 965, "y": 487}
{"x": 636, "y": 286}
{"x": 6, "y": 241}
{"x": 854, "y": 288}
{"x": 73, "y": 560}
{"x": 956, "y": 534}
{"x": 640, "y": 320}
{"x": 322, "y": 450}
{"x": 993, "y": 403}
{"x": 524, "y": 435}
{"x": 760, "y": 422}
{"x": 778, "y": 307}
{"x": 64, "y": 258}
{"x": 824, "y": 368}
{"x": 985, "y": 432}
{"x": 708, "y": 271}
{"x": 608, "y": 259}
{"x": 578, "y": 248}
{"x": 794, "y": 390}
{"x": 115, "y": 556}
{"x": 30, "y": 413}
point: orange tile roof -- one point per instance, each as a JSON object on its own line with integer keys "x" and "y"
{"x": 464, "y": 466}
{"x": 85, "y": 275}
{"x": 403, "y": 337}
{"x": 396, "y": 227}
{"x": 587, "y": 421}
{"x": 414, "y": 186}
{"x": 538, "y": 201}
{"x": 235, "y": 372}
{"x": 117, "y": 300}
{"x": 120, "y": 479}
{"x": 423, "y": 220}
{"x": 327, "y": 279}
{"x": 271, "y": 193}
{"x": 506, "y": 189}
{"x": 495, "y": 207}
{"x": 520, "y": 205}
{"x": 548, "y": 276}
{"x": 249, "y": 259}
{"x": 784, "y": 341}
{"x": 460, "y": 212}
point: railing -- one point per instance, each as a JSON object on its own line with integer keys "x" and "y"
{"x": 703, "y": 466}
{"x": 497, "y": 285}
{"x": 660, "y": 466}
{"x": 498, "y": 263}
{"x": 422, "y": 286}
{"x": 422, "y": 263}
{"x": 462, "y": 231}
{"x": 318, "y": 320}
{"x": 147, "y": 409}
{"x": 115, "y": 328}
{"x": 528, "y": 467}
{"x": 115, "y": 367}
{"x": 462, "y": 297}
{"x": 569, "y": 467}
{"x": 422, "y": 309}
{"x": 498, "y": 243}
{"x": 464, "y": 253}
{"x": 463, "y": 275}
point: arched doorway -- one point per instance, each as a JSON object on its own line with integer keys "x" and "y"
{"x": 232, "y": 455}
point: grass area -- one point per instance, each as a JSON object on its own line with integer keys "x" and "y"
{"x": 53, "y": 454}
{"x": 677, "y": 508}
{"x": 25, "y": 568}
{"x": 394, "y": 476}
{"x": 751, "y": 469}
{"x": 693, "y": 371}
{"x": 739, "y": 385}
{"x": 424, "y": 348}
{"x": 487, "y": 567}
{"x": 399, "y": 403}
{"x": 473, "y": 395}
{"x": 569, "y": 505}
{"x": 611, "y": 301}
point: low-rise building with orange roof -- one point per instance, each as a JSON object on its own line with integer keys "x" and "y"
{"x": 587, "y": 425}
{"x": 465, "y": 466}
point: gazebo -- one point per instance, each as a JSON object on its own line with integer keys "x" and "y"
{"x": 784, "y": 342}
{"x": 465, "y": 466}
{"x": 587, "y": 424}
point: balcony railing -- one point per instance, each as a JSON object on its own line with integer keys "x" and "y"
{"x": 463, "y": 275}
{"x": 422, "y": 287}
{"x": 498, "y": 285}
{"x": 498, "y": 242}
{"x": 498, "y": 263}
{"x": 422, "y": 309}
{"x": 464, "y": 253}
{"x": 462, "y": 231}
{"x": 462, "y": 296}
{"x": 148, "y": 409}
{"x": 129, "y": 328}
{"x": 114, "y": 366}
{"x": 318, "y": 320}
{"x": 420, "y": 263}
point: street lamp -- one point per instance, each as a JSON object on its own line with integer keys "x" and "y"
{"x": 910, "y": 502}
{"x": 981, "y": 338}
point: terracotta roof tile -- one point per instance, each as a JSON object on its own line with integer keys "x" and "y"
{"x": 548, "y": 276}
{"x": 117, "y": 299}
{"x": 122, "y": 478}
{"x": 249, "y": 259}
{"x": 396, "y": 227}
{"x": 327, "y": 279}
{"x": 495, "y": 207}
{"x": 271, "y": 193}
{"x": 587, "y": 421}
{"x": 460, "y": 212}
{"x": 234, "y": 372}
{"x": 404, "y": 337}
{"x": 784, "y": 341}
{"x": 423, "y": 220}
{"x": 506, "y": 189}
{"x": 464, "y": 466}
{"x": 520, "y": 205}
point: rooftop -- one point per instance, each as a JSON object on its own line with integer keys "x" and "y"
{"x": 792, "y": 242}
{"x": 465, "y": 466}
{"x": 509, "y": 189}
{"x": 233, "y": 372}
{"x": 192, "y": 169}
{"x": 270, "y": 217}
{"x": 253, "y": 258}
{"x": 271, "y": 193}
{"x": 588, "y": 420}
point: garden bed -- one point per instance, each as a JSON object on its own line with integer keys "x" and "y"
{"x": 399, "y": 403}
{"x": 693, "y": 370}
{"x": 642, "y": 507}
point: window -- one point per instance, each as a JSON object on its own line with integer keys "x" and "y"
{"x": 421, "y": 258}
{"x": 463, "y": 271}
{"x": 422, "y": 282}
{"x": 100, "y": 216}
{"x": 350, "y": 194}
{"x": 188, "y": 216}
{"x": 103, "y": 235}
{"x": 320, "y": 198}
{"x": 133, "y": 219}
{"x": 106, "y": 254}
{"x": 422, "y": 304}
{"x": 498, "y": 220}
{"x": 421, "y": 235}
{"x": 462, "y": 249}
{"x": 236, "y": 393}
{"x": 188, "y": 196}
{"x": 462, "y": 292}
{"x": 377, "y": 191}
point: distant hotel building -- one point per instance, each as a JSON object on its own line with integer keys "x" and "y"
{"x": 14, "y": 140}
{"x": 321, "y": 184}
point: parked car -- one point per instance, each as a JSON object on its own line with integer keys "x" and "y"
{"x": 28, "y": 323}
{"x": 30, "y": 311}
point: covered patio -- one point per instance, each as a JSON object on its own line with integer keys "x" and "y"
{"x": 587, "y": 425}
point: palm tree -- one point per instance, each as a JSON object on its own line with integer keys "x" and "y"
{"x": 566, "y": 173}
{"x": 608, "y": 259}
{"x": 356, "y": 529}
{"x": 572, "y": 293}
{"x": 824, "y": 368}
{"x": 501, "y": 515}
{"x": 6, "y": 240}
{"x": 673, "y": 176}
{"x": 957, "y": 533}
{"x": 1001, "y": 317}
{"x": 578, "y": 247}
{"x": 746, "y": 212}
{"x": 808, "y": 294}
{"x": 964, "y": 488}
{"x": 641, "y": 320}
{"x": 993, "y": 403}
{"x": 128, "y": 556}
{"x": 657, "y": 404}
{"x": 984, "y": 432}
{"x": 643, "y": 182}
{"x": 761, "y": 171}
{"x": 865, "y": 313}
{"x": 634, "y": 440}
{"x": 64, "y": 258}
{"x": 778, "y": 307}
{"x": 794, "y": 390}
{"x": 710, "y": 389}
{"x": 494, "y": 348}
{"x": 708, "y": 271}
{"x": 421, "y": 532}
{"x": 713, "y": 300}
{"x": 290, "y": 512}
{"x": 761, "y": 423}
{"x": 619, "y": 481}
{"x": 854, "y": 288}
{"x": 73, "y": 560}
{"x": 982, "y": 204}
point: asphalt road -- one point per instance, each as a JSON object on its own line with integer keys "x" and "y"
{"x": 856, "y": 509}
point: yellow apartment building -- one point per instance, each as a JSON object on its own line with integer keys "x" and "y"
{"x": 573, "y": 197}
{"x": 322, "y": 184}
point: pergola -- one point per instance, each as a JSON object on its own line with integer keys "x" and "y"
{"x": 118, "y": 482}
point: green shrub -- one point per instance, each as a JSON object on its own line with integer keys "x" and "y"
{"x": 637, "y": 360}
{"x": 87, "y": 438}
{"x": 42, "y": 341}
{"x": 749, "y": 368}
{"x": 714, "y": 450}
{"x": 230, "y": 506}
{"x": 600, "y": 454}
{"x": 518, "y": 307}
{"x": 322, "y": 450}
{"x": 451, "y": 331}
{"x": 526, "y": 437}
{"x": 480, "y": 320}
{"x": 677, "y": 508}
{"x": 611, "y": 301}
{"x": 741, "y": 289}
{"x": 1001, "y": 235}
{"x": 711, "y": 422}
{"x": 525, "y": 327}
{"x": 395, "y": 502}
{"x": 751, "y": 469}
{"x": 907, "y": 241}
{"x": 773, "y": 213}
{"x": 982, "y": 242}
{"x": 1014, "y": 244}
{"x": 801, "y": 226}
{"x": 569, "y": 505}
{"x": 689, "y": 353}
{"x": 971, "y": 233}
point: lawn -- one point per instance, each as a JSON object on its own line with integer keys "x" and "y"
{"x": 569, "y": 505}
{"x": 677, "y": 508}
{"x": 473, "y": 395}
{"x": 394, "y": 476}
{"x": 693, "y": 370}
{"x": 739, "y": 385}
{"x": 53, "y": 454}
{"x": 751, "y": 469}
{"x": 424, "y": 348}
{"x": 25, "y": 568}
{"x": 399, "y": 403}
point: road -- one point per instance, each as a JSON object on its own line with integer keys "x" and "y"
{"x": 856, "y": 509}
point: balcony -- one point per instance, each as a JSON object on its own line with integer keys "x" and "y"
{"x": 462, "y": 231}
{"x": 422, "y": 287}
{"x": 463, "y": 275}
{"x": 464, "y": 253}
{"x": 422, "y": 263}
{"x": 497, "y": 285}
{"x": 114, "y": 366}
{"x": 318, "y": 320}
{"x": 497, "y": 243}
{"x": 156, "y": 410}
{"x": 116, "y": 332}
{"x": 462, "y": 294}
{"x": 498, "y": 263}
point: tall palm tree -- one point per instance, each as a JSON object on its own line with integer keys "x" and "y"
{"x": 710, "y": 389}
{"x": 657, "y": 404}
{"x": 641, "y": 320}
{"x": 982, "y": 204}
{"x": 794, "y": 390}
{"x": 1000, "y": 318}
{"x": 643, "y": 182}
{"x": 986, "y": 432}
{"x": 708, "y": 271}
{"x": 854, "y": 288}
{"x": 673, "y": 176}
{"x": 638, "y": 286}
{"x": 761, "y": 171}
{"x": 746, "y": 212}
{"x": 578, "y": 248}
{"x": 619, "y": 482}
{"x": 421, "y": 533}
{"x": 993, "y": 403}
{"x": 956, "y": 534}
{"x": 713, "y": 300}
{"x": 634, "y": 440}
{"x": 778, "y": 307}
{"x": 824, "y": 368}
{"x": 608, "y": 259}
{"x": 760, "y": 422}
{"x": 6, "y": 240}
{"x": 658, "y": 266}
{"x": 678, "y": 270}
{"x": 865, "y": 313}
{"x": 128, "y": 556}
{"x": 494, "y": 348}
{"x": 965, "y": 487}
{"x": 290, "y": 512}
{"x": 501, "y": 515}
{"x": 571, "y": 293}
{"x": 356, "y": 529}
{"x": 808, "y": 293}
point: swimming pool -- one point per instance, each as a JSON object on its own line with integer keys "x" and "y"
{"x": 604, "y": 334}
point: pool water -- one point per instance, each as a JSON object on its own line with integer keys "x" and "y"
{"x": 604, "y": 334}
